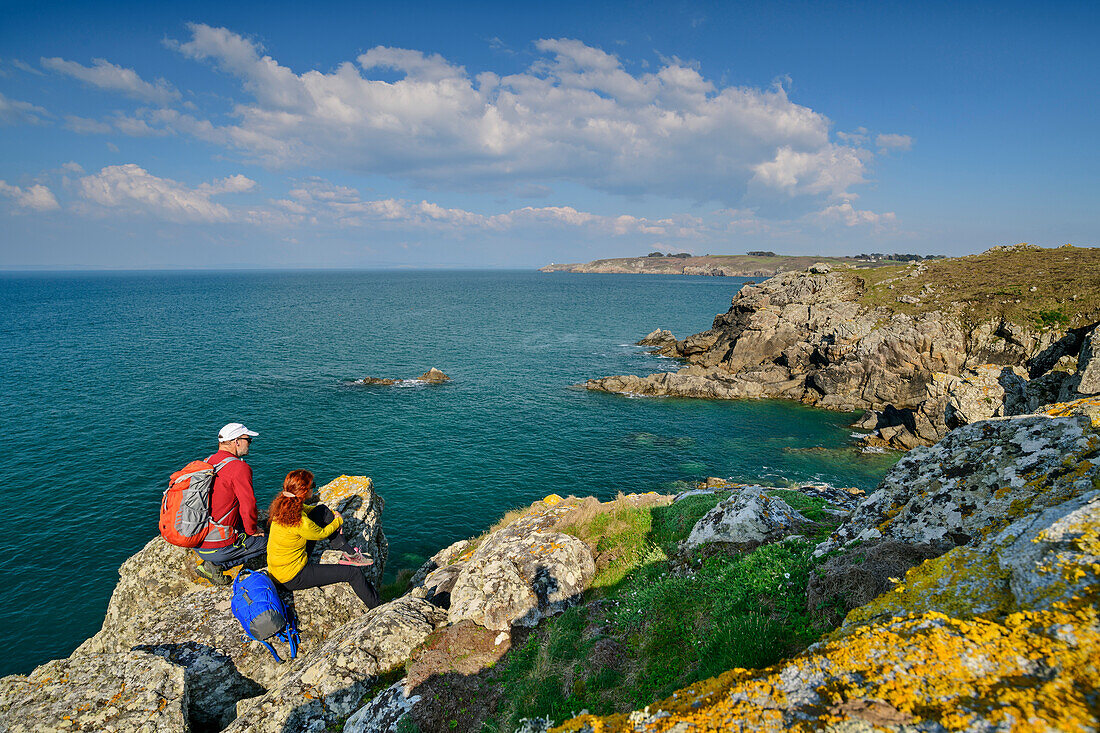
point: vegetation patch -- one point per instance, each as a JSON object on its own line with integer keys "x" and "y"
{"x": 1029, "y": 286}
{"x": 656, "y": 620}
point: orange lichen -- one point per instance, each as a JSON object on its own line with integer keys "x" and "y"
{"x": 345, "y": 486}
{"x": 1015, "y": 675}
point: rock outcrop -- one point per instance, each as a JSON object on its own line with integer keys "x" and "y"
{"x": 432, "y": 376}
{"x": 157, "y": 611}
{"x": 331, "y": 684}
{"x": 746, "y": 520}
{"x": 807, "y": 336}
{"x": 999, "y": 631}
{"x": 132, "y": 691}
{"x": 663, "y": 341}
{"x": 521, "y": 574}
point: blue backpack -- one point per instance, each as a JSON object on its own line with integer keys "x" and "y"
{"x": 257, "y": 605}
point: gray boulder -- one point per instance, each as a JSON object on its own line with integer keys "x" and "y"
{"x": 132, "y": 691}
{"x": 521, "y": 574}
{"x": 975, "y": 481}
{"x": 747, "y": 519}
{"x": 1088, "y": 364}
{"x": 331, "y": 683}
{"x": 383, "y": 713}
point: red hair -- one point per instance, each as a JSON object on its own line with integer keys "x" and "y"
{"x": 287, "y": 510}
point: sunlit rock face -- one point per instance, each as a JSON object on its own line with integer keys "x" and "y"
{"x": 803, "y": 336}
{"x": 159, "y": 611}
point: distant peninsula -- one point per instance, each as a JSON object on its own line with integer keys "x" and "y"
{"x": 752, "y": 264}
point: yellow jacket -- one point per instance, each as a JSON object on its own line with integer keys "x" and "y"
{"x": 286, "y": 546}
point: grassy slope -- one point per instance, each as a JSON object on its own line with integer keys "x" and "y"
{"x": 996, "y": 285}
{"x": 654, "y": 620}
{"x": 740, "y": 262}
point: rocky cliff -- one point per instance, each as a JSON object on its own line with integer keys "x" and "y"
{"x": 948, "y": 349}
{"x": 967, "y": 586}
{"x": 171, "y": 656}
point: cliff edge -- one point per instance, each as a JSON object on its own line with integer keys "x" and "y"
{"x": 926, "y": 347}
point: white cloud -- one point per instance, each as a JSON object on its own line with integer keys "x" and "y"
{"x": 845, "y": 214}
{"x": 110, "y": 77}
{"x": 133, "y": 190}
{"x": 231, "y": 184}
{"x": 12, "y": 112}
{"x": 24, "y": 66}
{"x": 36, "y": 197}
{"x": 894, "y": 142}
{"x": 576, "y": 114}
{"x": 831, "y": 170}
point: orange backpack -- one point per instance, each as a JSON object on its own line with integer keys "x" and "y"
{"x": 185, "y": 509}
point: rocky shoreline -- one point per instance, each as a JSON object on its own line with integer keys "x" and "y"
{"x": 993, "y": 627}
{"x": 812, "y": 336}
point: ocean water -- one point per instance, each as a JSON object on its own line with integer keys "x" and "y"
{"x": 109, "y": 382}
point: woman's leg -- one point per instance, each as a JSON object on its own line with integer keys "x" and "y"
{"x": 321, "y": 515}
{"x": 315, "y": 576}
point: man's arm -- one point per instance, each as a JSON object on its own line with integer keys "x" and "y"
{"x": 246, "y": 500}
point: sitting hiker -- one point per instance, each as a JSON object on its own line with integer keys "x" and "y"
{"x": 235, "y": 534}
{"x": 295, "y": 528}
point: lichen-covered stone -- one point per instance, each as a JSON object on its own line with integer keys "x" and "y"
{"x": 384, "y": 712}
{"x": 747, "y": 519}
{"x": 521, "y": 574}
{"x": 132, "y": 691}
{"x": 213, "y": 684}
{"x": 330, "y": 683}
{"x": 976, "y": 481}
{"x": 1035, "y": 671}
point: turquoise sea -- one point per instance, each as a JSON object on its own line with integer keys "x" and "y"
{"x": 111, "y": 381}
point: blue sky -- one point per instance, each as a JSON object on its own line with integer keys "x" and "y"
{"x": 448, "y": 135}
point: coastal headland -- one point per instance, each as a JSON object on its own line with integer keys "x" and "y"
{"x": 923, "y": 347}
{"x": 763, "y": 264}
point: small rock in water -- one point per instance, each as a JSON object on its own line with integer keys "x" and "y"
{"x": 434, "y": 375}
{"x": 377, "y": 380}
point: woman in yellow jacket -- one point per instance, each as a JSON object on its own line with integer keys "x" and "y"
{"x": 295, "y": 529}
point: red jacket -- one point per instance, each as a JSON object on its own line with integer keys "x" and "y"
{"x": 232, "y": 498}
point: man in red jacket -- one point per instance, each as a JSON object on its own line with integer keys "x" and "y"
{"x": 235, "y": 534}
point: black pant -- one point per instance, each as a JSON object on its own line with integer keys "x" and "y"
{"x": 315, "y": 576}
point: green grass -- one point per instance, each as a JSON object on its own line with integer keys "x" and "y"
{"x": 670, "y": 620}
{"x": 811, "y": 507}
{"x": 995, "y": 285}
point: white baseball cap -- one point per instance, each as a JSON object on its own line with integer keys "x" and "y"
{"x": 232, "y": 431}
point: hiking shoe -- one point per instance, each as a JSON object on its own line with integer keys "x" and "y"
{"x": 355, "y": 557}
{"x": 213, "y": 573}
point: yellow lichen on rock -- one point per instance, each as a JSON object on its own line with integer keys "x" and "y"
{"x": 963, "y": 583}
{"x": 1023, "y": 674}
{"x": 1087, "y": 406}
{"x": 345, "y": 486}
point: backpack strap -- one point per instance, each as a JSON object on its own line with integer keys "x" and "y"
{"x": 217, "y": 467}
{"x": 223, "y": 462}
